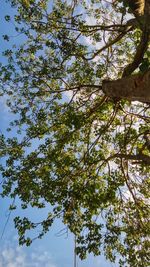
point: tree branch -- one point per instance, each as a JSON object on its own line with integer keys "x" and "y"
{"x": 138, "y": 157}
{"x": 141, "y": 10}
{"x": 140, "y": 51}
{"x": 133, "y": 88}
{"x": 109, "y": 44}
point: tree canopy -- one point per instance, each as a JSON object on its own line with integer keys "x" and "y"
{"x": 79, "y": 86}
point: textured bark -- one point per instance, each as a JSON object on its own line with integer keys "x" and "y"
{"x": 137, "y": 6}
{"x": 133, "y": 88}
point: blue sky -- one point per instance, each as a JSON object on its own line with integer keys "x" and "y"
{"x": 51, "y": 251}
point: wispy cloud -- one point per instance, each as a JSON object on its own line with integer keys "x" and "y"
{"x": 17, "y": 257}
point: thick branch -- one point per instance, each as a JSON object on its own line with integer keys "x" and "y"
{"x": 140, "y": 51}
{"x": 132, "y": 88}
{"x": 136, "y": 6}
{"x": 141, "y": 10}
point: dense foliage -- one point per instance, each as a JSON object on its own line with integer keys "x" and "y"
{"x": 82, "y": 154}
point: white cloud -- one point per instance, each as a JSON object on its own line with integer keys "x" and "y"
{"x": 17, "y": 257}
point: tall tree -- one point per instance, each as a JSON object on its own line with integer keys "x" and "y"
{"x": 80, "y": 87}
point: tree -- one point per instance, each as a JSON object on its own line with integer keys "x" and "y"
{"x": 73, "y": 86}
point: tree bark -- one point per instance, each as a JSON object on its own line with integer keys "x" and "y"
{"x": 133, "y": 88}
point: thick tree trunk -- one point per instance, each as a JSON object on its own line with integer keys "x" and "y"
{"x": 132, "y": 88}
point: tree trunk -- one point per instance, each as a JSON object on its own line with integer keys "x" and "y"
{"x": 132, "y": 88}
